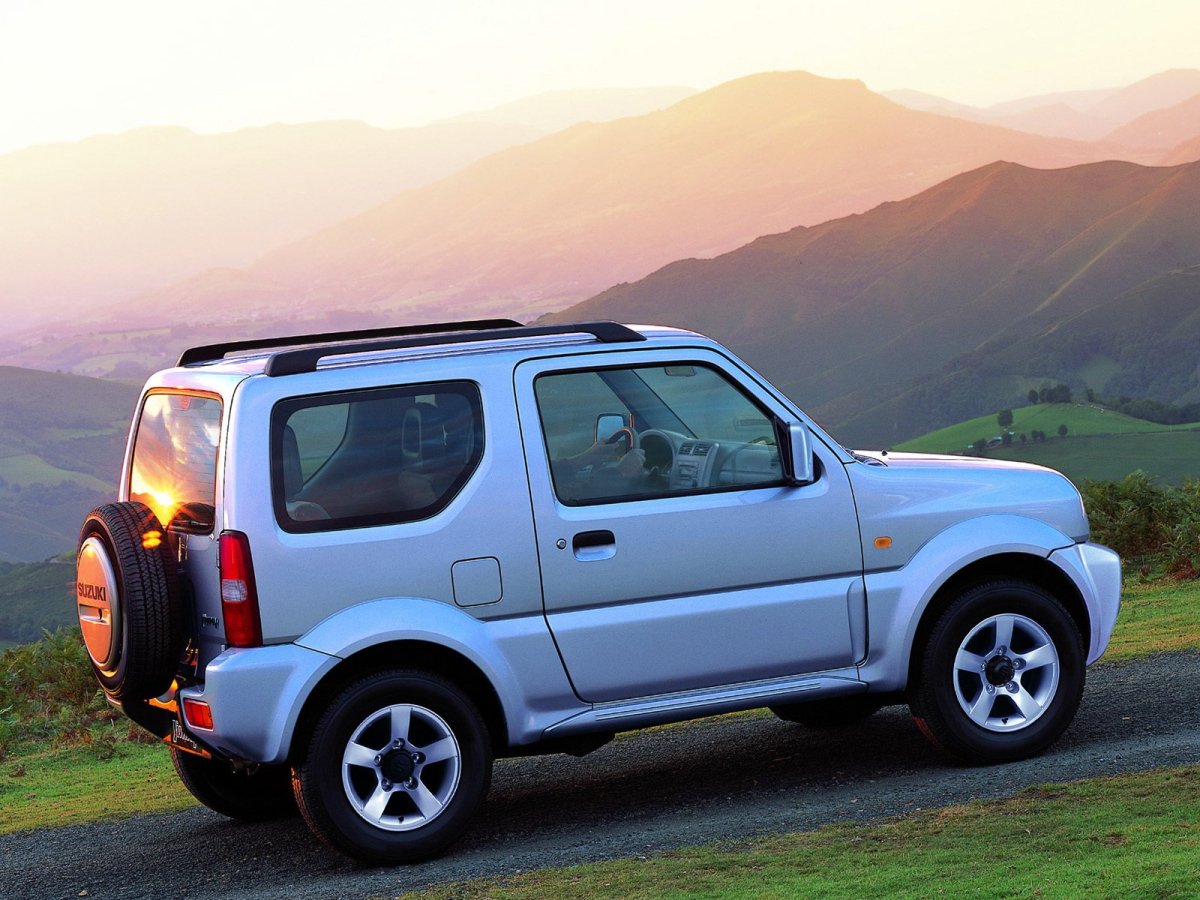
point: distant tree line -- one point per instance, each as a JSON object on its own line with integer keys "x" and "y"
{"x": 1154, "y": 411}
{"x": 1060, "y": 393}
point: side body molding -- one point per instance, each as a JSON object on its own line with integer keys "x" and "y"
{"x": 897, "y": 598}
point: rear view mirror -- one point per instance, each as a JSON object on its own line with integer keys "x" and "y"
{"x": 795, "y": 452}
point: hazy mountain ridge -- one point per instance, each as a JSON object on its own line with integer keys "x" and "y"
{"x": 1087, "y": 115}
{"x": 933, "y": 309}
{"x": 1161, "y": 129}
{"x": 533, "y": 227}
{"x": 555, "y": 110}
{"x": 114, "y": 215}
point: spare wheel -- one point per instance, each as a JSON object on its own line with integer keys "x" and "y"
{"x": 127, "y": 596}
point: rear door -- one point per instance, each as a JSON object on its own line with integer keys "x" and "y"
{"x": 686, "y": 563}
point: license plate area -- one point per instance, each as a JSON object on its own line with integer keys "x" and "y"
{"x": 181, "y": 740}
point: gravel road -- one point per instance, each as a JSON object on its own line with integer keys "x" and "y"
{"x": 716, "y": 779}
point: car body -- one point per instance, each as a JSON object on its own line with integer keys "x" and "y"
{"x": 568, "y": 531}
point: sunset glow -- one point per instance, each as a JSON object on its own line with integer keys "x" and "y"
{"x": 87, "y": 68}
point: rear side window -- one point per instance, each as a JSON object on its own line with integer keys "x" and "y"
{"x": 377, "y": 457}
{"x": 174, "y": 469}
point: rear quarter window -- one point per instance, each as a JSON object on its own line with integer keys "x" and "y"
{"x": 374, "y": 457}
{"x": 174, "y": 467}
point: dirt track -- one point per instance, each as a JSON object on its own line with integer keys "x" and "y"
{"x": 716, "y": 779}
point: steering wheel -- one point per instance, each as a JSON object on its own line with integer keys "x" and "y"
{"x": 626, "y": 434}
{"x": 660, "y": 452}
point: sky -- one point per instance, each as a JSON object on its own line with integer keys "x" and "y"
{"x": 72, "y": 68}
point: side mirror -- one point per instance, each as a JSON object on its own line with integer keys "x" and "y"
{"x": 795, "y": 452}
{"x": 608, "y": 425}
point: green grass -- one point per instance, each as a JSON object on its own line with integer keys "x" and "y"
{"x": 1100, "y": 444}
{"x": 50, "y": 788}
{"x": 1132, "y": 835}
{"x": 1156, "y": 617}
{"x": 1168, "y": 457}
{"x": 1080, "y": 419}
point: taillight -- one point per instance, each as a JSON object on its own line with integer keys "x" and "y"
{"x": 239, "y": 596}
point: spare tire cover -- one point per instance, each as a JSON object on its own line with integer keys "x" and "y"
{"x": 127, "y": 596}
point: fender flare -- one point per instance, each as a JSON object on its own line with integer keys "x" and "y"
{"x": 898, "y": 598}
{"x": 396, "y": 619}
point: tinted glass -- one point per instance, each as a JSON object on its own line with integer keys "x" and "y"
{"x": 687, "y": 429}
{"x": 373, "y": 457}
{"x": 174, "y": 469}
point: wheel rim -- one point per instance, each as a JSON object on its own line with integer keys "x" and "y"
{"x": 98, "y": 603}
{"x": 1006, "y": 673}
{"x": 401, "y": 767}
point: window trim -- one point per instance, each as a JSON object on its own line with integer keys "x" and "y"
{"x": 282, "y": 410}
{"x": 724, "y": 374}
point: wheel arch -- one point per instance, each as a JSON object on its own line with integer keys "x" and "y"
{"x": 903, "y": 602}
{"x": 1036, "y": 570}
{"x": 404, "y": 654}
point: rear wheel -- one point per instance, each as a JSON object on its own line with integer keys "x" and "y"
{"x": 1001, "y": 674}
{"x": 396, "y": 768}
{"x": 264, "y": 792}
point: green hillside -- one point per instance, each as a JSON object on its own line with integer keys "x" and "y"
{"x": 1080, "y": 418}
{"x": 1168, "y": 457}
{"x": 1101, "y": 444}
{"x": 36, "y": 596}
{"x": 61, "y": 442}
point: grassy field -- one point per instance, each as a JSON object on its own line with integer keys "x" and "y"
{"x": 138, "y": 778}
{"x": 1080, "y": 419}
{"x": 1169, "y": 457}
{"x": 1100, "y": 444}
{"x": 1132, "y": 835}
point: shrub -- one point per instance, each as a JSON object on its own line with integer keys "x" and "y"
{"x": 48, "y": 692}
{"x": 1148, "y": 523}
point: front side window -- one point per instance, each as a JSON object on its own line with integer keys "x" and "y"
{"x": 174, "y": 469}
{"x": 651, "y": 431}
{"x": 374, "y": 457}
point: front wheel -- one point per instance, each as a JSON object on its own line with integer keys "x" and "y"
{"x": 395, "y": 768}
{"x": 1001, "y": 674}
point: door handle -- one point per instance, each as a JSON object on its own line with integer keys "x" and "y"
{"x": 590, "y": 545}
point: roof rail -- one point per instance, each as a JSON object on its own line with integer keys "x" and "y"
{"x": 294, "y": 362}
{"x": 214, "y": 352}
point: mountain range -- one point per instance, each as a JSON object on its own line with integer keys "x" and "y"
{"x": 534, "y": 227}
{"x": 88, "y": 223}
{"x": 92, "y": 222}
{"x": 1083, "y": 115}
{"x": 956, "y": 301}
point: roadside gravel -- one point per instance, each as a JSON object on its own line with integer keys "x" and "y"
{"x": 713, "y": 780}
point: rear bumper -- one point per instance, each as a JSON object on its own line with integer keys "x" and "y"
{"x": 256, "y": 695}
{"x": 1096, "y": 571}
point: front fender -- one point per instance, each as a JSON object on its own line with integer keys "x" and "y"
{"x": 897, "y": 598}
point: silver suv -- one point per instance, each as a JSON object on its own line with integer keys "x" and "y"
{"x": 348, "y": 571}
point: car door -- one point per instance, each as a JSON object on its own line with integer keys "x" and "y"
{"x": 702, "y": 570}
